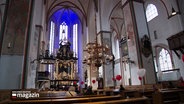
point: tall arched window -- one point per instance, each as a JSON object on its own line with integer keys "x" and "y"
{"x": 75, "y": 39}
{"x": 151, "y": 12}
{"x": 51, "y": 41}
{"x": 165, "y": 60}
{"x": 63, "y": 33}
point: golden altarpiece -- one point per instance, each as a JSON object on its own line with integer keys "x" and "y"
{"x": 62, "y": 66}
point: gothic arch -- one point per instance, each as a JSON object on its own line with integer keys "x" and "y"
{"x": 77, "y": 7}
{"x": 116, "y": 22}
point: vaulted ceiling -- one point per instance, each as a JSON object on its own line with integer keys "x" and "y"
{"x": 80, "y": 7}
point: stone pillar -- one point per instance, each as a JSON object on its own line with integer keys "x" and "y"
{"x": 136, "y": 31}
{"x": 105, "y": 38}
{"x": 15, "y": 44}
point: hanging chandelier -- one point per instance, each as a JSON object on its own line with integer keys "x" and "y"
{"x": 97, "y": 54}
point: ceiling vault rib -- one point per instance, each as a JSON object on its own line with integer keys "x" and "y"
{"x": 60, "y": 4}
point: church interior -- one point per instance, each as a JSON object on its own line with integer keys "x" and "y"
{"x": 92, "y": 51}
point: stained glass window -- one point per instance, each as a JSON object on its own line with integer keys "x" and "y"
{"x": 165, "y": 60}
{"x": 63, "y": 33}
{"x": 75, "y": 39}
{"x": 51, "y": 41}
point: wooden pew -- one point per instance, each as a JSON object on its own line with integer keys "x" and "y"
{"x": 64, "y": 100}
{"x": 107, "y": 92}
{"x": 59, "y": 95}
{"x": 138, "y": 93}
{"x": 139, "y": 100}
{"x": 168, "y": 96}
{"x": 147, "y": 93}
{"x": 130, "y": 94}
{"x": 145, "y": 90}
{"x": 46, "y": 97}
{"x": 4, "y": 96}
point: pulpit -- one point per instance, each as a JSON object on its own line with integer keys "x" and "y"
{"x": 176, "y": 43}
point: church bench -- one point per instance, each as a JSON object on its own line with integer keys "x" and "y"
{"x": 145, "y": 90}
{"x": 124, "y": 94}
{"x": 64, "y": 100}
{"x": 168, "y": 96}
{"x": 137, "y": 94}
{"x": 182, "y": 97}
{"x": 5, "y": 95}
{"x": 106, "y": 92}
{"x": 148, "y": 94}
{"x": 138, "y": 100}
{"x": 60, "y": 95}
{"x": 130, "y": 94}
{"x": 141, "y": 87}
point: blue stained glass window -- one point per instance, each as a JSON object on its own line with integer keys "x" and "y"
{"x": 75, "y": 39}
{"x": 63, "y": 33}
{"x": 51, "y": 41}
{"x": 64, "y": 26}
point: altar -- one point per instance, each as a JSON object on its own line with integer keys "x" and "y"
{"x": 63, "y": 64}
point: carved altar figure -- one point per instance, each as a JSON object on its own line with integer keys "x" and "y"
{"x": 57, "y": 76}
{"x": 65, "y": 61}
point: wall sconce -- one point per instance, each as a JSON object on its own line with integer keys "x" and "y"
{"x": 128, "y": 61}
{"x": 173, "y": 12}
{"x": 128, "y": 38}
{"x": 9, "y": 45}
{"x": 172, "y": 7}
